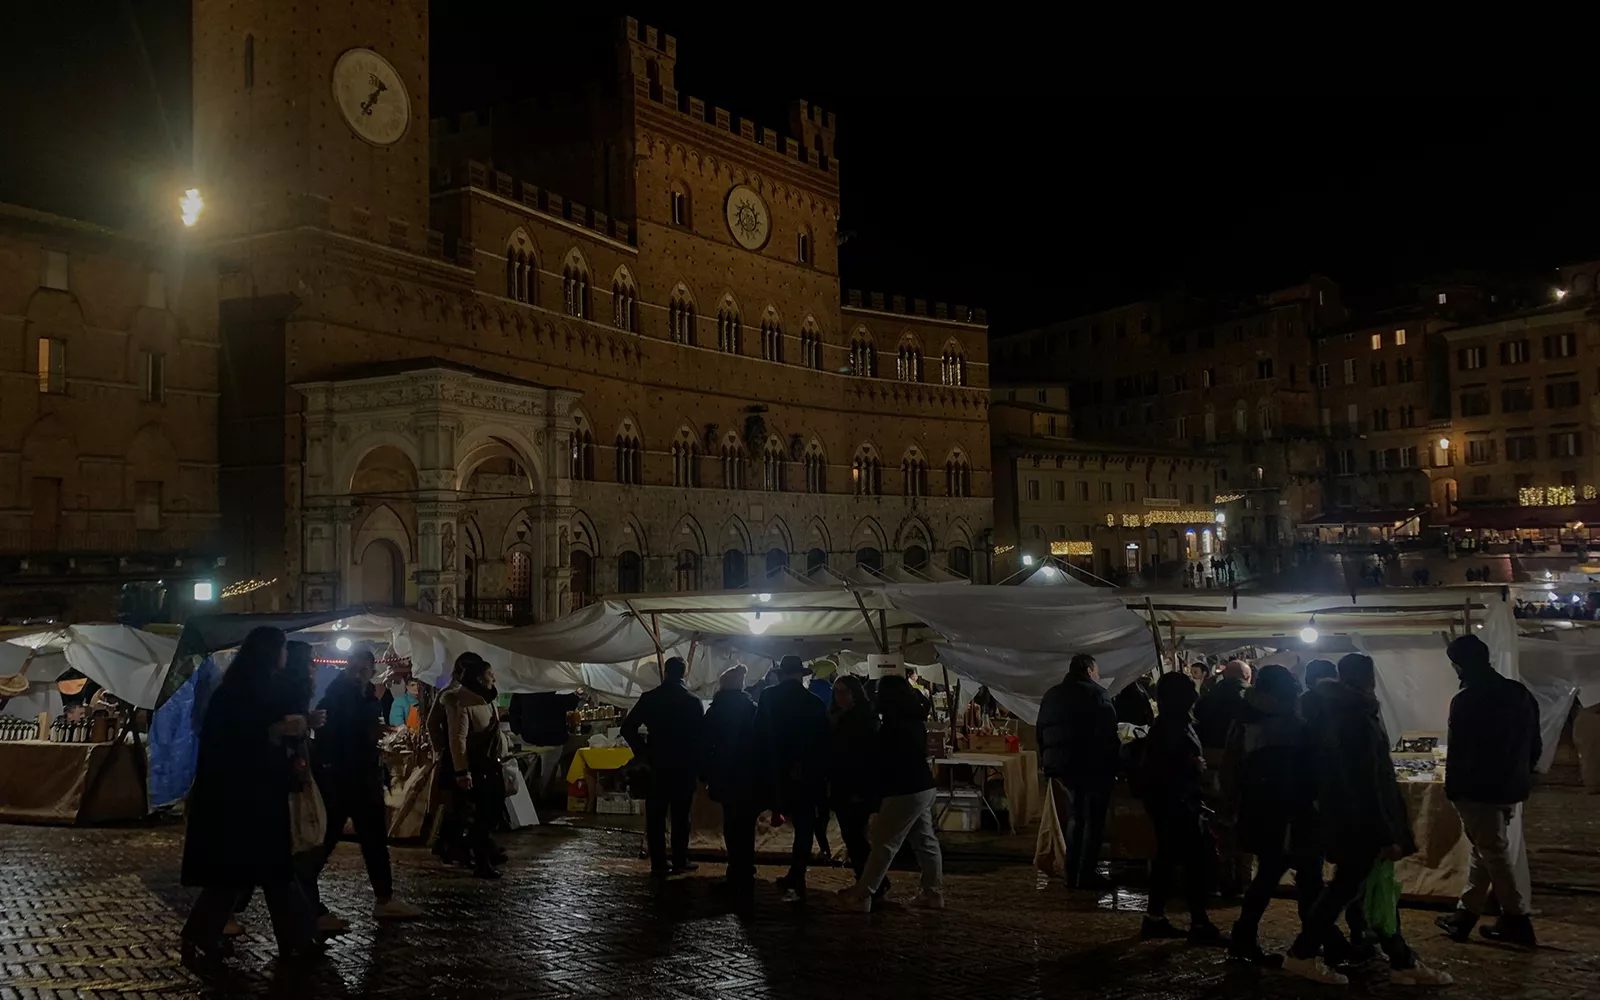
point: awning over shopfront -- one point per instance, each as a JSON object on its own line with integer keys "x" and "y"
{"x": 1509, "y": 518}
{"x": 1392, "y": 518}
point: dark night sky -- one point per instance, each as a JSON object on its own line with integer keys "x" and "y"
{"x": 1035, "y": 164}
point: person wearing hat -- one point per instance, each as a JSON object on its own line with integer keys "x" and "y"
{"x": 729, "y": 774}
{"x": 1494, "y": 749}
{"x": 792, "y": 744}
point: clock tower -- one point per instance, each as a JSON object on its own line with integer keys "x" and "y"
{"x": 312, "y": 114}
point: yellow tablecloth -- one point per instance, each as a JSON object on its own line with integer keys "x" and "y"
{"x": 44, "y": 782}
{"x": 597, "y": 759}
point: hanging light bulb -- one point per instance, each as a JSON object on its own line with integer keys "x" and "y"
{"x": 1309, "y": 633}
{"x": 342, "y": 644}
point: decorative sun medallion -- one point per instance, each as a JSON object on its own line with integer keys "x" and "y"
{"x": 748, "y": 219}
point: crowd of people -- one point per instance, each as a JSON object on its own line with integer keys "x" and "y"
{"x": 854, "y": 749}
{"x": 277, "y": 781}
{"x": 1305, "y": 778}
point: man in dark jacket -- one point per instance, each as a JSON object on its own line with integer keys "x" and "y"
{"x": 792, "y": 749}
{"x": 1219, "y": 706}
{"x": 1078, "y": 749}
{"x": 1363, "y": 819}
{"x": 350, "y": 774}
{"x": 671, "y": 748}
{"x": 730, "y": 774}
{"x": 1494, "y": 749}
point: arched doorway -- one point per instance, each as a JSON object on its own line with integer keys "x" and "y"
{"x": 630, "y": 573}
{"x": 816, "y": 559}
{"x": 777, "y": 562}
{"x": 582, "y": 579}
{"x": 735, "y": 575}
{"x": 382, "y": 575}
{"x": 870, "y": 558}
{"x": 916, "y": 557}
{"x": 688, "y": 570}
{"x": 960, "y": 560}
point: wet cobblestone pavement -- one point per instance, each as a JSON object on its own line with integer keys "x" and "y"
{"x": 97, "y": 912}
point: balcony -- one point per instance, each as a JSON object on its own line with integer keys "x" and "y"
{"x": 503, "y": 610}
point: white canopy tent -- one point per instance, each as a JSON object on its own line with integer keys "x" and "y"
{"x": 127, "y": 662}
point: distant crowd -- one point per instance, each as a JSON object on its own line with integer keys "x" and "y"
{"x": 1306, "y": 777}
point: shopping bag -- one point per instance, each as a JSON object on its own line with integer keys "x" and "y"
{"x": 308, "y": 818}
{"x": 1382, "y": 903}
{"x": 510, "y": 777}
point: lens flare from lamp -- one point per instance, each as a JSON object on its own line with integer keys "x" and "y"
{"x": 763, "y": 598}
{"x": 1047, "y": 571}
{"x": 1027, "y": 560}
{"x": 190, "y": 206}
{"x": 1308, "y": 634}
{"x": 342, "y": 644}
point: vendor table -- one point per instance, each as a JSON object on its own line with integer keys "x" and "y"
{"x": 44, "y": 782}
{"x": 594, "y": 759}
{"x": 1019, "y": 775}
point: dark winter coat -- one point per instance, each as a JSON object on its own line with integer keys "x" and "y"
{"x": 1268, "y": 778}
{"x": 1078, "y": 732}
{"x": 1359, "y": 804}
{"x": 791, "y": 747}
{"x": 1495, "y": 742}
{"x": 674, "y": 721}
{"x": 238, "y": 807}
{"x": 729, "y": 745}
{"x": 1171, "y": 766}
{"x": 903, "y": 745}
{"x": 851, "y": 761}
{"x": 347, "y": 744}
{"x": 1216, "y": 711}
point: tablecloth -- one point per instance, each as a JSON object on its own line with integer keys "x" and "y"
{"x": 44, "y": 782}
{"x": 1019, "y": 775}
{"x": 597, "y": 759}
{"x": 409, "y": 797}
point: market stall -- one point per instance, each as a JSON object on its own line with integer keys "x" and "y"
{"x": 72, "y": 706}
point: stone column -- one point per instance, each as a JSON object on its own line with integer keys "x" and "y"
{"x": 555, "y": 509}
{"x": 438, "y": 516}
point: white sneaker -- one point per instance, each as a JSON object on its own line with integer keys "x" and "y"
{"x": 330, "y": 924}
{"x": 1420, "y": 975}
{"x": 929, "y": 899}
{"x": 1314, "y": 969}
{"x": 852, "y": 898}
{"x": 395, "y": 909}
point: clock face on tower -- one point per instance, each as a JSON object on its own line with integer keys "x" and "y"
{"x": 748, "y": 219}
{"x": 371, "y": 96}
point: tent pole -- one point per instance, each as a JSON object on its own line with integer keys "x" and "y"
{"x": 694, "y": 640}
{"x": 1172, "y": 631}
{"x": 1466, "y": 616}
{"x": 1155, "y": 630}
{"x": 882, "y": 642}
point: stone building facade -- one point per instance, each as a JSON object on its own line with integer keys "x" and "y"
{"x": 1182, "y": 374}
{"x": 1123, "y": 513}
{"x": 505, "y": 363}
{"x": 108, "y": 471}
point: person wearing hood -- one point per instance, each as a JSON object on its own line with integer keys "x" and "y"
{"x": 473, "y": 730}
{"x": 852, "y": 784}
{"x": 1219, "y": 706}
{"x": 729, "y": 774}
{"x": 906, "y": 812}
{"x": 1079, "y": 751}
{"x": 1362, "y": 820}
{"x": 1494, "y": 749}
{"x": 671, "y": 747}
{"x": 792, "y": 751}
{"x": 1171, "y": 768}
{"x": 1268, "y": 786}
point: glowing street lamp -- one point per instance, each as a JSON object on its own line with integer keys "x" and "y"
{"x": 1444, "y": 444}
{"x": 190, "y": 206}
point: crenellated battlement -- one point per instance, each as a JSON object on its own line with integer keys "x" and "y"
{"x": 474, "y": 174}
{"x": 854, "y": 298}
{"x": 650, "y": 64}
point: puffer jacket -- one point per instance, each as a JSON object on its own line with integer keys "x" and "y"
{"x": 1078, "y": 732}
{"x": 473, "y": 730}
{"x": 1495, "y": 743}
